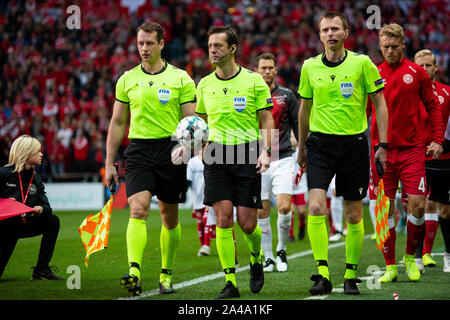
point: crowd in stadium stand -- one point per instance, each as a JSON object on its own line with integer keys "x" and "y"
{"x": 58, "y": 84}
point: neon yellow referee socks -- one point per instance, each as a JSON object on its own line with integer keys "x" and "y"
{"x": 136, "y": 237}
{"x": 226, "y": 250}
{"x": 318, "y": 237}
{"x": 169, "y": 241}
{"x": 254, "y": 244}
{"x": 353, "y": 245}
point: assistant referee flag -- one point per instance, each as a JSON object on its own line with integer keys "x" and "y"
{"x": 94, "y": 230}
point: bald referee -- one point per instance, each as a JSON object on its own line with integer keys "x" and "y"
{"x": 334, "y": 87}
{"x": 157, "y": 96}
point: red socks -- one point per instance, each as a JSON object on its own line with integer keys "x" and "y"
{"x": 414, "y": 229}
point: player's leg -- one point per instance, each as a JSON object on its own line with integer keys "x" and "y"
{"x": 283, "y": 226}
{"x": 264, "y": 221}
{"x": 282, "y": 188}
{"x": 412, "y": 176}
{"x": 169, "y": 242}
{"x": 266, "y": 239}
{"x": 197, "y": 214}
{"x": 426, "y": 241}
{"x": 205, "y": 249}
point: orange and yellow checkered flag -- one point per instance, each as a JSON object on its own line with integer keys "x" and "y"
{"x": 381, "y": 216}
{"x": 381, "y": 211}
{"x": 94, "y": 230}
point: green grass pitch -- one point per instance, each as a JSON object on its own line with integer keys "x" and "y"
{"x": 100, "y": 281}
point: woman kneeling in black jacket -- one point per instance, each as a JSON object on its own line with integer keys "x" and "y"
{"x": 20, "y": 182}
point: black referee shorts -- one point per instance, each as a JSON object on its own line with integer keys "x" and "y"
{"x": 232, "y": 179}
{"x": 347, "y": 157}
{"x": 149, "y": 167}
{"x": 438, "y": 180}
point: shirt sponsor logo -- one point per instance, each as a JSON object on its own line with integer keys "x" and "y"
{"x": 239, "y": 103}
{"x": 11, "y": 185}
{"x": 164, "y": 95}
{"x": 407, "y": 78}
{"x": 346, "y": 89}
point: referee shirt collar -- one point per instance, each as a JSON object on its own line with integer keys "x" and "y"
{"x": 331, "y": 64}
{"x": 158, "y": 72}
{"x": 234, "y": 76}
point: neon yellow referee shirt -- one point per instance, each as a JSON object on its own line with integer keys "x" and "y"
{"x": 155, "y": 100}
{"x": 232, "y": 106}
{"x": 339, "y": 92}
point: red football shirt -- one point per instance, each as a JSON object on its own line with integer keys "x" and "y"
{"x": 443, "y": 94}
{"x": 407, "y": 87}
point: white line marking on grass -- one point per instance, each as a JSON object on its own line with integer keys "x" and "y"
{"x": 217, "y": 275}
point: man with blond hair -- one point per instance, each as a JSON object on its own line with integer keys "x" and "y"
{"x": 407, "y": 86}
{"x": 437, "y": 173}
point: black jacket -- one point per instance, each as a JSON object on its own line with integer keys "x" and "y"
{"x": 10, "y": 188}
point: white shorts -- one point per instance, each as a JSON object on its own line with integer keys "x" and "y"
{"x": 277, "y": 179}
{"x": 211, "y": 220}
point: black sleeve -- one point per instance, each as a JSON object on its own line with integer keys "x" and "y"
{"x": 42, "y": 197}
{"x": 293, "y": 113}
{"x": 446, "y": 146}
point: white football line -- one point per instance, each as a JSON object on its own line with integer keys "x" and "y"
{"x": 217, "y": 275}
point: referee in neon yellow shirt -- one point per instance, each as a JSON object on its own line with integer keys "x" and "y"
{"x": 234, "y": 101}
{"x": 334, "y": 87}
{"x": 157, "y": 96}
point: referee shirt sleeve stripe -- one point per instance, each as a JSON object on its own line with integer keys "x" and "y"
{"x": 376, "y": 91}
{"x": 267, "y": 108}
{"x": 192, "y": 101}
{"x": 305, "y": 97}
{"x": 123, "y": 101}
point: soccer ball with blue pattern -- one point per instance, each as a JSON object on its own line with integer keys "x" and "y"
{"x": 192, "y": 132}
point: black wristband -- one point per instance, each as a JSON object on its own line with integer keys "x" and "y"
{"x": 384, "y": 145}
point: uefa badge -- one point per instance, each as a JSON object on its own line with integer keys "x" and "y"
{"x": 164, "y": 95}
{"x": 346, "y": 89}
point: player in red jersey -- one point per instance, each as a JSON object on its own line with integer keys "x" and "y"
{"x": 407, "y": 86}
{"x": 437, "y": 170}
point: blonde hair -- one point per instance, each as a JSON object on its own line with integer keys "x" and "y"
{"x": 423, "y": 53}
{"x": 21, "y": 149}
{"x": 392, "y": 30}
